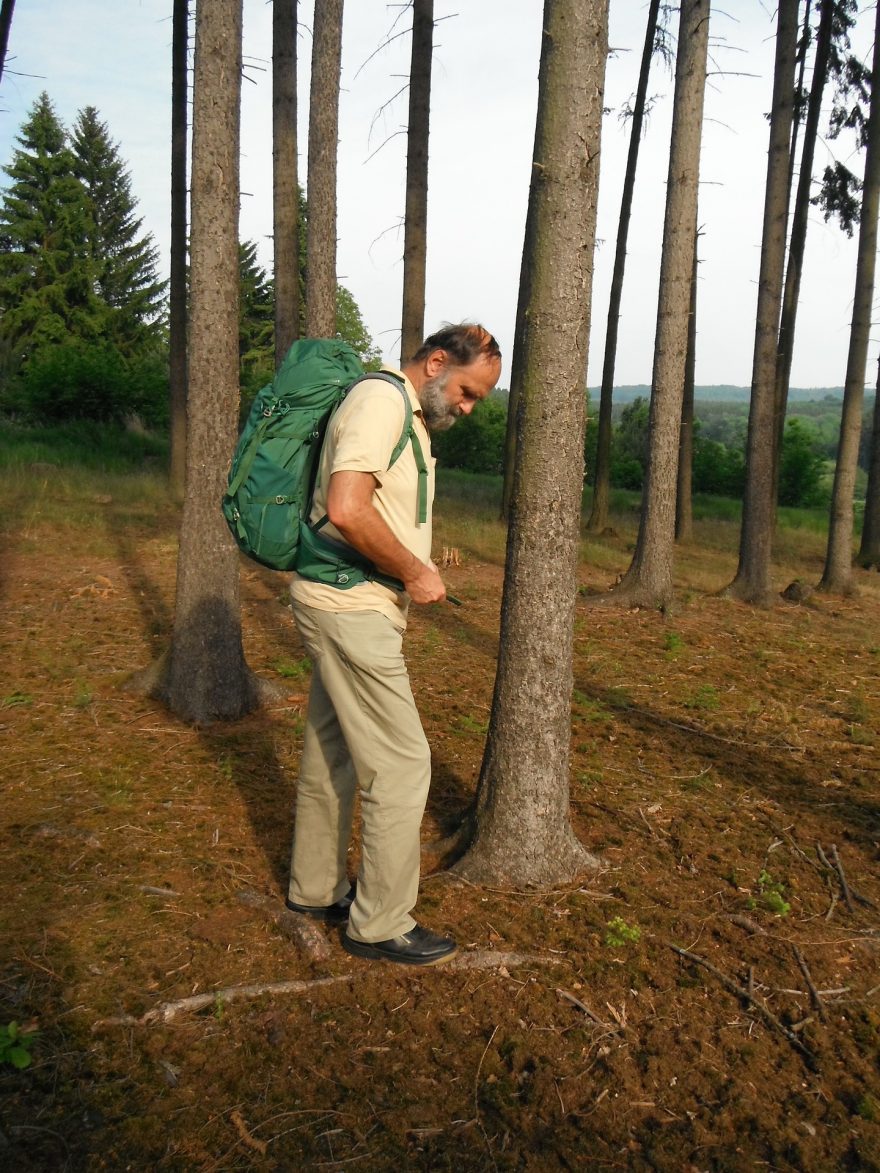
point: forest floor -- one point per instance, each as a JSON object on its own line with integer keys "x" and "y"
{"x": 725, "y": 769}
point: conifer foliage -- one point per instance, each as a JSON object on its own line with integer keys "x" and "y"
{"x": 76, "y": 270}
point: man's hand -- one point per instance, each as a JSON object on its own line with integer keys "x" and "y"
{"x": 425, "y": 584}
{"x": 351, "y": 510}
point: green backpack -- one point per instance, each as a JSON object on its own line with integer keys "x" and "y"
{"x": 268, "y": 497}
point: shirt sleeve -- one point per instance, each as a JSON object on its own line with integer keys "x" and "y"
{"x": 366, "y": 429}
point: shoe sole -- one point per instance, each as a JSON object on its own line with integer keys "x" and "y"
{"x": 371, "y": 953}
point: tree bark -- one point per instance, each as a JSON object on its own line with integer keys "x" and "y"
{"x": 684, "y": 506}
{"x": 206, "y": 677}
{"x": 598, "y": 520}
{"x": 415, "y": 236}
{"x": 838, "y": 576}
{"x": 323, "y": 143}
{"x": 6, "y": 9}
{"x": 648, "y": 581}
{"x": 177, "y": 276}
{"x": 869, "y": 550}
{"x": 798, "y": 243}
{"x": 285, "y": 188}
{"x": 752, "y": 582}
{"x": 522, "y": 834}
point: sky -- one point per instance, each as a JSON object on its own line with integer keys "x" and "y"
{"x": 117, "y": 57}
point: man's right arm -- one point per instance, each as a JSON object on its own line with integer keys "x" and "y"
{"x": 351, "y": 510}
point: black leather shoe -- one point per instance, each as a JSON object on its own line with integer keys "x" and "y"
{"x": 334, "y": 914}
{"x": 417, "y": 947}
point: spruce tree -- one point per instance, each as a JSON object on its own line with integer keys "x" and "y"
{"x": 47, "y": 284}
{"x": 122, "y": 258}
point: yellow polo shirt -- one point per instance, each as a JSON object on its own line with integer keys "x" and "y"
{"x": 361, "y": 435}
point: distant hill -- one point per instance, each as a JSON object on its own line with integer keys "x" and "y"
{"x": 724, "y": 393}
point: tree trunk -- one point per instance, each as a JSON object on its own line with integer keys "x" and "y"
{"x": 752, "y": 582}
{"x": 648, "y": 582}
{"x": 5, "y": 25}
{"x": 522, "y": 833}
{"x": 798, "y": 243}
{"x": 207, "y": 678}
{"x": 869, "y": 550}
{"x": 684, "y": 508}
{"x": 598, "y": 520}
{"x": 415, "y": 237}
{"x": 285, "y": 189}
{"x": 838, "y": 576}
{"x": 323, "y": 136}
{"x": 177, "y": 276}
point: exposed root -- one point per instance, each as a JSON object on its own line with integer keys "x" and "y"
{"x": 305, "y": 934}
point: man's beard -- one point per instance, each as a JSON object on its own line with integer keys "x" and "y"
{"x": 437, "y": 412}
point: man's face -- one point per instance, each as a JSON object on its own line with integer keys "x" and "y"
{"x": 454, "y": 391}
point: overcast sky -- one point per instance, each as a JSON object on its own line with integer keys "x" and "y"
{"x": 117, "y": 57}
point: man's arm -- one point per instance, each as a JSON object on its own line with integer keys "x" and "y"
{"x": 351, "y": 510}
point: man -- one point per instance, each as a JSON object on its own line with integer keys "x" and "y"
{"x": 363, "y": 731}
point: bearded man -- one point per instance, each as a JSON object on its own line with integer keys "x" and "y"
{"x": 363, "y": 732}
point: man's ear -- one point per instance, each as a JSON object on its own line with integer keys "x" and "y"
{"x": 436, "y": 363}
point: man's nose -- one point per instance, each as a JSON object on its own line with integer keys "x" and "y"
{"x": 466, "y": 406}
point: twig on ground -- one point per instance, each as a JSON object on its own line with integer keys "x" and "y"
{"x": 477, "y": 1096}
{"x": 831, "y": 906}
{"x": 740, "y": 992}
{"x": 586, "y": 1010}
{"x": 746, "y": 922}
{"x": 149, "y": 890}
{"x": 838, "y": 867}
{"x": 815, "y": 997}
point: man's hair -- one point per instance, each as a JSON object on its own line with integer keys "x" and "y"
{"x": 464, "y": 343}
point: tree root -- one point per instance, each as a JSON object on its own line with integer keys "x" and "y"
{"x": 304, "y": 933}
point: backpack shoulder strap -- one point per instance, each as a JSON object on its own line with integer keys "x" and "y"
{"x": 408, "y": 435}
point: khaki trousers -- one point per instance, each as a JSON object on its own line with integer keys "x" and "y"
{"x": 363, "y": 733}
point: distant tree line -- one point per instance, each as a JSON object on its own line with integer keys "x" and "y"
{"x": 476, "y": 445}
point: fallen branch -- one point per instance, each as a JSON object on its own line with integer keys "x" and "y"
{"x": 165, "y": 1011}
{"x": 740, "y": 992}
{"x": 849, "y": 893}
{"x": 808, "y": 978}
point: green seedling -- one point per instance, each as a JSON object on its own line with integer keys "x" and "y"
{"x": 672, "y": 642}
{"x": 620, "y": 933}
{"x": 705, "y": 698}
{"x": 16, "y": 698}
{"x": 15, "y": 1046}
{"x": 772, "y": 895}
{"x": 293, "y": 669}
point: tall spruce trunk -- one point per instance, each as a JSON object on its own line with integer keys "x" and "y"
{"x": 207, "y": 678}
{"x": 522, "y": 833}
{"x": 285, "y": 187}
{"x": 752, "y": 583}
{"x": 684, "y": 504}
{"x": 598, "y": 520}
{"x": 799, "y": 222}
{"x": 869, "y": 549}
{"x": 415, "y": 233}
{"x": 838, "y": 576}
{"x": 177, "y": 323}
{"x": 648, "y": 581}
{"x": 323, "y": 144}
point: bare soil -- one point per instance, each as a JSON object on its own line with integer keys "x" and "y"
{"x": 718, "y": 756}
